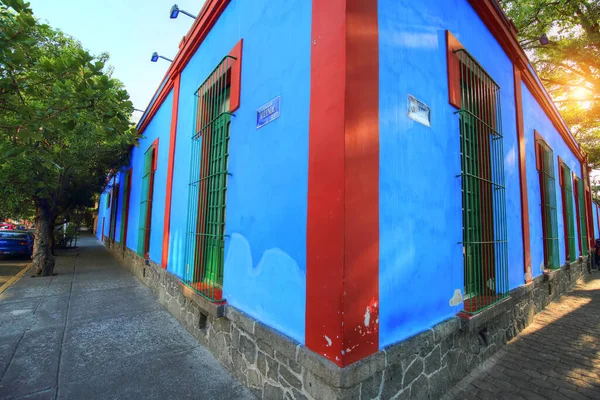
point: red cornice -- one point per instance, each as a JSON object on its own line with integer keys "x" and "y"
{"x": 503, "y": 30}
{"x": 208, "y": 16}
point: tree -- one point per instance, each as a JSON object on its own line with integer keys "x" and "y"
{"x": 569, "y": 64}
{"x": 64, "y": 124}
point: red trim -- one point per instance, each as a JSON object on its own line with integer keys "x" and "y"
{"x": 236, "y": 77}
{"x": 343, "y": 193}
{"x": 563, "y": 192}
{"x": 325, "y": 222}
{"x": 454, "y": 94}
{"x": 208, "y": 16}
{"x": 125, "y": 218}
{"x": 577, "y": 210}
{"x": 170, "y": 166}
{"x": 499, "y": 25}
{"x": 587, "y": 202}
{"x": 597, "y": 220}
{"x": 154, "y": 148}
{"x": 523, "y": 176}
{"x": 539, "y": 161}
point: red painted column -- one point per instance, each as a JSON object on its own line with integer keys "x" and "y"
{"x": 170, "y": 166}
{"x": 343, "y": 193}
{"x": 523, "y": 175}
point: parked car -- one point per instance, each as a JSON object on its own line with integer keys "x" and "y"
{"x": 16, "y": 243}
{"x": 6, "y": 226}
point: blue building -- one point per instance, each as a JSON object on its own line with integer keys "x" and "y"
{"x": 360, "y": 179}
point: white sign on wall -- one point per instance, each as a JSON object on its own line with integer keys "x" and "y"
{"x": 419, "y": 111}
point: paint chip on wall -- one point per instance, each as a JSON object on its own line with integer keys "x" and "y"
{"x": 457, "y": 299}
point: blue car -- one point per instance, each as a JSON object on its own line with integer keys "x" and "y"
{"x": 17, "y": 243}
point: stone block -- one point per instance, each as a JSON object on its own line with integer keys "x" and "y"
{"x": 316, "y": 388}
{"x": 254, "y": 379}
{"x": 439, "y": 383}
{"x": 371, "y": 388}
{"x": 248, "y": 348}
{"x": 279, "y": 342}
{"x": 265, "y": 348}
{"x": 423, "y": 342}
{"x": 261, "y": 364}
{"x": 326, "y": 370}
{"x": 412, "y": 370}
{"x": 419, "y": 389}
{"x": 240, "y": 319}
{"x": 272, "y": 369}
{"x": 273, "y": 392}
{"x": 355, "y": 373}
{"x": 445, "y": 329}
{"x": 392, "y": 381}
{"x": 433, "y": 361}
{"x": 298, "y": 396}
{"x": 289, "y": 377}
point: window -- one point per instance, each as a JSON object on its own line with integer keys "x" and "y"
{"x": 580, "y": 211}
{"x": 208, "y": 184}
{"x": 568, "y": 215}
{"x": 125, "y": 208}
{"x": 150, "y": 155}
{"x": 545, "y": 166}
{"x": 483, "y": 192}
{"x": 113, "y": 213}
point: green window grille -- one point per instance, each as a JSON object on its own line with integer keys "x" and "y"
{"x": 483, "y": 192}
{"x": 205, "y": 238}
{"x": 582, "y": 220}
{"x": 545, "y": 164}
{"x": 568, "y": 214}
{"x": 125, "y": 207}
{"x": 145, "y": 223}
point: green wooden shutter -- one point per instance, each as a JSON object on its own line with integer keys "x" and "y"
{"x": 483, "y": 192}
{"x": 569, "y": 218}
{"x": 549, "y": 211}
{"x": 125, "y": 207}
{"x": 143, "y": 246}
{"x": 582, "y": 220}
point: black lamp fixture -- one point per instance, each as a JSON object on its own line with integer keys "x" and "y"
{"x": 544, "y": 39}
{"x": 175, "y": 12}
{"x": 155, "y": 57}
{"x": 137, "y": 109}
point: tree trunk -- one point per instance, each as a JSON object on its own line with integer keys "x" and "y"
{"x": 43, "y": 260}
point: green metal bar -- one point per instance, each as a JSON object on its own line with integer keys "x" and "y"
{"x": 483, "y": 191}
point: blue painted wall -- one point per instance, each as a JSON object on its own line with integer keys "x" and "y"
{"x": 159, "y": 128}
{"x": 421, "y": 262}
{"x": 595, "y": 217}
{"x": 265, "y": 245}
{"x": 536, "y": 120}
{"x": 101, "y": 214}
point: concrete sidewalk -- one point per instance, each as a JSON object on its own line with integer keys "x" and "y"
{"x": 556, "y": 357}
{"x": 94, "y": 331}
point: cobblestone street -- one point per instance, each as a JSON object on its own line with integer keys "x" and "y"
{"x": 556, "y": 357}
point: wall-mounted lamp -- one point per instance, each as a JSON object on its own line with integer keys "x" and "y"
{"x": 175, "y": 12}
{"x": 137, "y": 109}
{"x": 544, "y": 39}
{"x": 155, "y": 57}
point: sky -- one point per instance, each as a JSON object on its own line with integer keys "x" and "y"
{"x": 129, "y": 30}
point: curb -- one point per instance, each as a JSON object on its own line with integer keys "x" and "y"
{"x": 15, "y": 278}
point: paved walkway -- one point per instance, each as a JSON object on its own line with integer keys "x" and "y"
{"x": 94, "y": 332}
{"x": 556, "y": 357}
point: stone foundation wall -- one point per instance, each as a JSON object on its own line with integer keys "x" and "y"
{"x": 274, "y": 366}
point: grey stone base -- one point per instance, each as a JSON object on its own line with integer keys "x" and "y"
{"x": 424, "y": 366}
